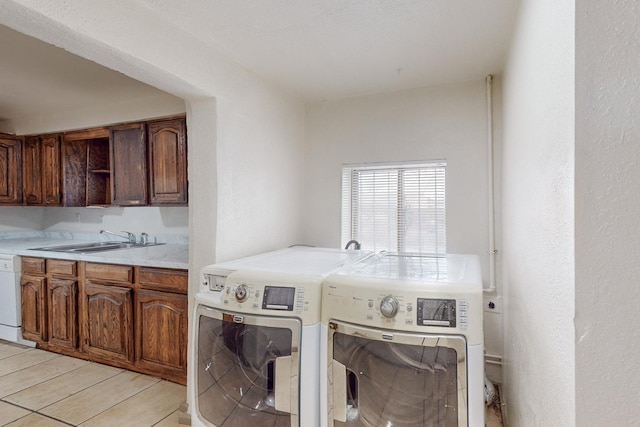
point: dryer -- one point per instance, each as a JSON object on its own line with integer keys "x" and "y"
{"x": 402, "y": 342}
{"x": 257, "y": 335}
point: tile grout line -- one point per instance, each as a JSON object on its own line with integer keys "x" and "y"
{"x": 122, "y": 401}
{"x": 81, "y": 390}
{"x": 32, "y": 366}
{"x": 31, "y": 412}
{"x": 26, "y": 350}
{"x": 56, "y": 356}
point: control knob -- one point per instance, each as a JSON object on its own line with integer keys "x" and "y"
{"x": 241, "y": 293}
{"x": 389, "y": 307}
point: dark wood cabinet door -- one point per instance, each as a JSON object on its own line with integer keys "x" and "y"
{"x": 51, "y": 170}
{"x": 74, "y": 170}
{"x": 10, "y": 170}
{"x": 128, "y": 156}
{"x": 108, "y": 322}
{"x": 34, "y": 307}
{"x": 62, "y": 309}
{"x": 161, "y": 333}
{"x": 31, "y": 181}
{"x": 168, "y": 162}
{"x": 41, "y": 170}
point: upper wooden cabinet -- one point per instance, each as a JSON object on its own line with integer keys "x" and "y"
{"x": 31, "y": 182}
{"x": 41, "y": 170}
{"x": 10, "y": 170}
{"x": 86, "y": 168}
{"x": 168, "y": 162}
{"x": 132, "y": 164}
{"x": 149, "y": 163}
{"x": 128, "y": 150}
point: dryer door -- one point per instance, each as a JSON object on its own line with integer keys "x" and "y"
{"x": 382, "y": 378}
{"x": 248, "y": 369}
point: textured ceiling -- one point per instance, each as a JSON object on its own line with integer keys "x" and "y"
{"x": 314, "y": 49}
{"x": 342, "y": 48}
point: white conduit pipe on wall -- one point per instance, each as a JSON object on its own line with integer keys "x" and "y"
{"x": 492, "y": 237}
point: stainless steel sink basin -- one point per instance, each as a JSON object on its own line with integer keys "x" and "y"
{"x": 81, "y": 248}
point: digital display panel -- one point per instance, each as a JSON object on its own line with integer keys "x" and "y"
{"x": 278, "y": 298}
{"x": 436, "y": 312}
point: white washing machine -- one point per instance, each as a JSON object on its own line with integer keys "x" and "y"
{"x": 257, "y": 336}
{"x": 403, "y": 342}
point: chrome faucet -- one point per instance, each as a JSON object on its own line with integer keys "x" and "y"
{"x": 130, "y": 236}
{"x": 144, "y": 239}
{"x": 353, "y": 243}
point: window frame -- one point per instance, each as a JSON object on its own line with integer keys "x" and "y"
{"x": 352, "y": 175}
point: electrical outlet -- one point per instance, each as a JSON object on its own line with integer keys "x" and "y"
{"x": 493, "y": 304}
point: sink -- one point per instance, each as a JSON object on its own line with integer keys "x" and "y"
{"x": 82, "y": 248}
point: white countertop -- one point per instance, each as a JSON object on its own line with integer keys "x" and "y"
{"x": 173, "y": 254}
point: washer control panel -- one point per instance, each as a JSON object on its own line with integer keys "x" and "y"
{"x": 436, "y": 312}
{"x": 264, "y": 292}
{"x": 436, "y": 309}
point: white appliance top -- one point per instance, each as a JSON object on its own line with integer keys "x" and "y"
{"x": 284, "y": 283}
{"x": 450, "y": 268}
{"x": 294, "y": 260}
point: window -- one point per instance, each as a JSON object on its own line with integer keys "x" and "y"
{"x": 395, "y": 207}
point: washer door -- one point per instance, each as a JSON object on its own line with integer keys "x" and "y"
{"x": 382, "y": 378}
{"x": 248, "y": 369}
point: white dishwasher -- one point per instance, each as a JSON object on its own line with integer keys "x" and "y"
{"x": 10, "y": 318}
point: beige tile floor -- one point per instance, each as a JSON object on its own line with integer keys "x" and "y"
{"x": 44, "y": 389}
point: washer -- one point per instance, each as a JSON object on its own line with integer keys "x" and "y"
{"x": 403, "y": 342}
{"x": 257, "y": 336}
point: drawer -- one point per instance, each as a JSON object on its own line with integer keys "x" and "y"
{"x": 61, "y": 267}
{"x": 164, "y": 279}
{"x": 109, "y": 272}
{"x": 33, "y": 265}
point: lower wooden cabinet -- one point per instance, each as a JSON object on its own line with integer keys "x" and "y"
{"x": 161, "y": 332}
{"x": 131, "y": 317}
{"x": 108, "y": 322}
{"x": 62, "y": 308}
{"x": 34, "y": 307}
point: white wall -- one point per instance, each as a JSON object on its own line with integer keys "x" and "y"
{"x": 19, "y": 218}
{"x": 259, "y": 176}
{"x": 444, "y": 122}
{"x": 156, "y": 221}
{"x": 538, "y": 218}
{"x": 100, "y": 114}
{"x": 607, "y": 213}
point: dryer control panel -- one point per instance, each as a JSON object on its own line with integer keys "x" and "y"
{"x": 254, "y": 292}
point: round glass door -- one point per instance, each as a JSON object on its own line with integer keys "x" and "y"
{"x": 382, "y": 379}
{"x": 245, "y": 365}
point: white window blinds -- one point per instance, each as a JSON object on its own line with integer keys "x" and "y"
{"x": 399, "y": 207}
